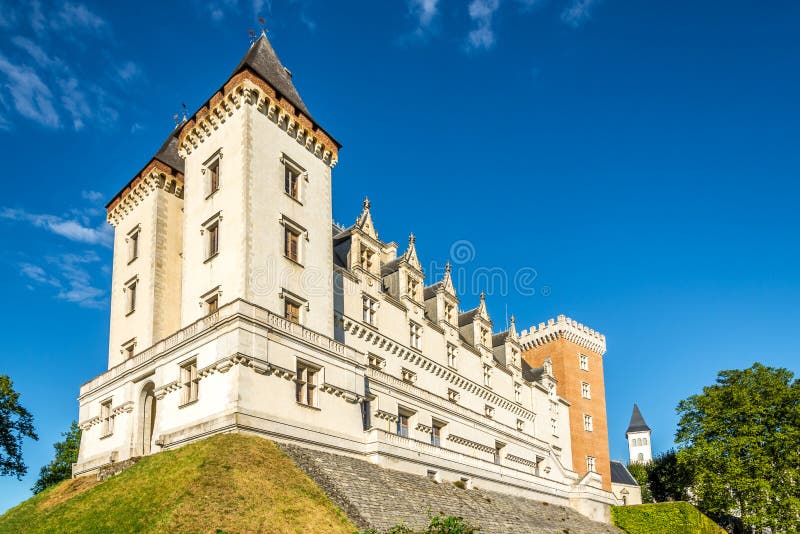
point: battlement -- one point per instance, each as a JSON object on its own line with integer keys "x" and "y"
{"x": 566, "y": 328}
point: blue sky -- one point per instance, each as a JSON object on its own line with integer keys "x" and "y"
{"x": 640, "y": 158}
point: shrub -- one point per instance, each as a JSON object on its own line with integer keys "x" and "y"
{"x": 663, "y": 517}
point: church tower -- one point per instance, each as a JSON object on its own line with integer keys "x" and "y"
{"x": 638, "y": 434}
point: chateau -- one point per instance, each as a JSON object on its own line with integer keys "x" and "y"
{"x": 239, "y": 306}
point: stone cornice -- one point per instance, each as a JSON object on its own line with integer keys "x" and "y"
{"x": 248, "y": 88}
{"x": 156, "y": 175}
{"x": 442, "y": 371}
{"x": 564, "y": 328}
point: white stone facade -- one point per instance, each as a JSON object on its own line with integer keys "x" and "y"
{"x": 374, "y": 363}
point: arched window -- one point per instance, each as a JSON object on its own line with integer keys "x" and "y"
{"x": 644, "y": 441}
{"x": 640, "y": 457}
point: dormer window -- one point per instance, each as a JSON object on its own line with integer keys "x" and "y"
{"x": 448, "y": 312}
{"x": 413, "y": 285}
{"x": 366, "y": 258}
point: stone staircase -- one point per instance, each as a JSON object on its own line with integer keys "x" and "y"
{"x": 374, "y": 497}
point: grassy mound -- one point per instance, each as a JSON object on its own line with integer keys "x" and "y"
{"x": 225, "y": 484}
{"x": 663, "y": 517}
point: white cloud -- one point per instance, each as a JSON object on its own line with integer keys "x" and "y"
{"x": 424, "y": 11}
{"x": 69, "y": 275}
{"x": 260, "y": 5}
{"x": 74, "y": 101}
{"x": 92, "y": 196}
{"x": 481, "y": 12}
{"x": 78, "y": 16}
{"x": 32, "y": 98}
{"x": 71, "y": 229}
{"x": 129, "y": 71}
{"x": 578, "y": 12}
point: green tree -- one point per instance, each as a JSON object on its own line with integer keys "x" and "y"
{"x": 61, "y": 466}
{"x": 741, "y": 438}
{"x": 16, "y": 423}
{"x": 669, "y": 480}
{"x": 641, "y": 473}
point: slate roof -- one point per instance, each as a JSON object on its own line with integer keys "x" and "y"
{"x": 430, "y": 291}
{"x": 499, "y": 339}
{"x": 262, "y": 59}
{"x": 621, "y": 475}
{"x": 466, "y": 317}
{"x": 637, "y": 423}
{"x": 531, "y": 374}
{"x": 168, "y": 153}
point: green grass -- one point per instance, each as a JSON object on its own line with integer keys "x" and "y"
{"x": 665, "y": 517}
{"x": 230, "y": 483}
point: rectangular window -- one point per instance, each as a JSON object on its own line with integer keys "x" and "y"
{"x": 517, "y": 392}
{"x": 587, "y": 423}
{"x": 130, "y": 293}
{"x": 106, "y": 419}
{"x": 586, "y": 391}
{"x": 213, "y": 176}
{"x": 212, "y": 304}
{"x": 584, "y": 362}
{"x": 365, "y": 258}
{"x": 498, "y": 452}
{"x": 452, "y": 352}
{"x": 436, "y": 434}
{"x": 292, "y": 244}
{"x": 306, "y": 384}
{"x": 487, "y": 376}
{"x": 369, "y": 308}
{"x": 448, "y": 312}
{"x": 190, "y": 382}
{"x": 133, "y": 244}
{"x": 591, "y": 463}
{"x": 413, "y": 284}
{"x": 129, "y": 349}
{"x": 402, "y": 424}
{"x": 415, "y": 331}
{"x": 291, "y": 311}
{"x": 292, "y": 179}
{"x": 554, "y": 426}
{"x": 213, "y": 240}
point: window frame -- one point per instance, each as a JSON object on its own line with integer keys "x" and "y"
{"x": 189, "y": 382}
{"x": 415, "y": 335}
{"x": 106, "y": 418}
{"x": 132, "y": 239}
{"x": 586, "y": 390}
{"x": 213, "y": 171}
{"x": 307, "y": 384}
{"x": 436, "y": 432}
{"x": 369, "y": 309}
{"x": 211, "y": 229}
{"x": 452, "y": 355}
{"x": 583, "y": 362}
{"x": 129, "y": 348}
{"x": 588, "y": 423}
{"x": 591, "y": 464}
{"x": 130, "y": 295}
{"x": 292, "y": 168}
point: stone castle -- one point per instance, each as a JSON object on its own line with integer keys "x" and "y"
{"x": 239, "y": 306}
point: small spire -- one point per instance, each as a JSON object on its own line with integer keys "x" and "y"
{"x": 483, "y": 296}
{"x": 366, "y": 203}
{"x": 512, "y": 320}
{"x": 411, "y": 239}
{"x": 447, "y": 267}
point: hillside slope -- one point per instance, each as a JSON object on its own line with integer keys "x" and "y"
{"x": 229, "y": 483}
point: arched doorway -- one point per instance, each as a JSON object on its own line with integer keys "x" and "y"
{"x": 147, "y": 418}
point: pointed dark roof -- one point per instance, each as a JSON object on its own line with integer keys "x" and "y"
{"x": 262, "y": 59}
{"x": 168, "y": 153}
{"x": 637, "y": 423}
{"x": 621, "y": 475}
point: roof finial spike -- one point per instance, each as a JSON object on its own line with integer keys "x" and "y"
{"x": 411, "y": 239}
{"x": 366, "y": 204}
{"x": 482, "y": 296}
{"x": 263, "y": 26}
{"x": 447, "y": 267}
{"x": 252, "y": 35}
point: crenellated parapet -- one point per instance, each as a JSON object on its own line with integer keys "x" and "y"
{"x": 248, "y": 88}
{"x": 563, "y": 328}
{"x": 156, "y": 175}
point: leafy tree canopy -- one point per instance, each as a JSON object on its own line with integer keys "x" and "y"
{"x": 61, "y": 466}
{"x": 741, "y": 438}
{"x": 16, "y": 423}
